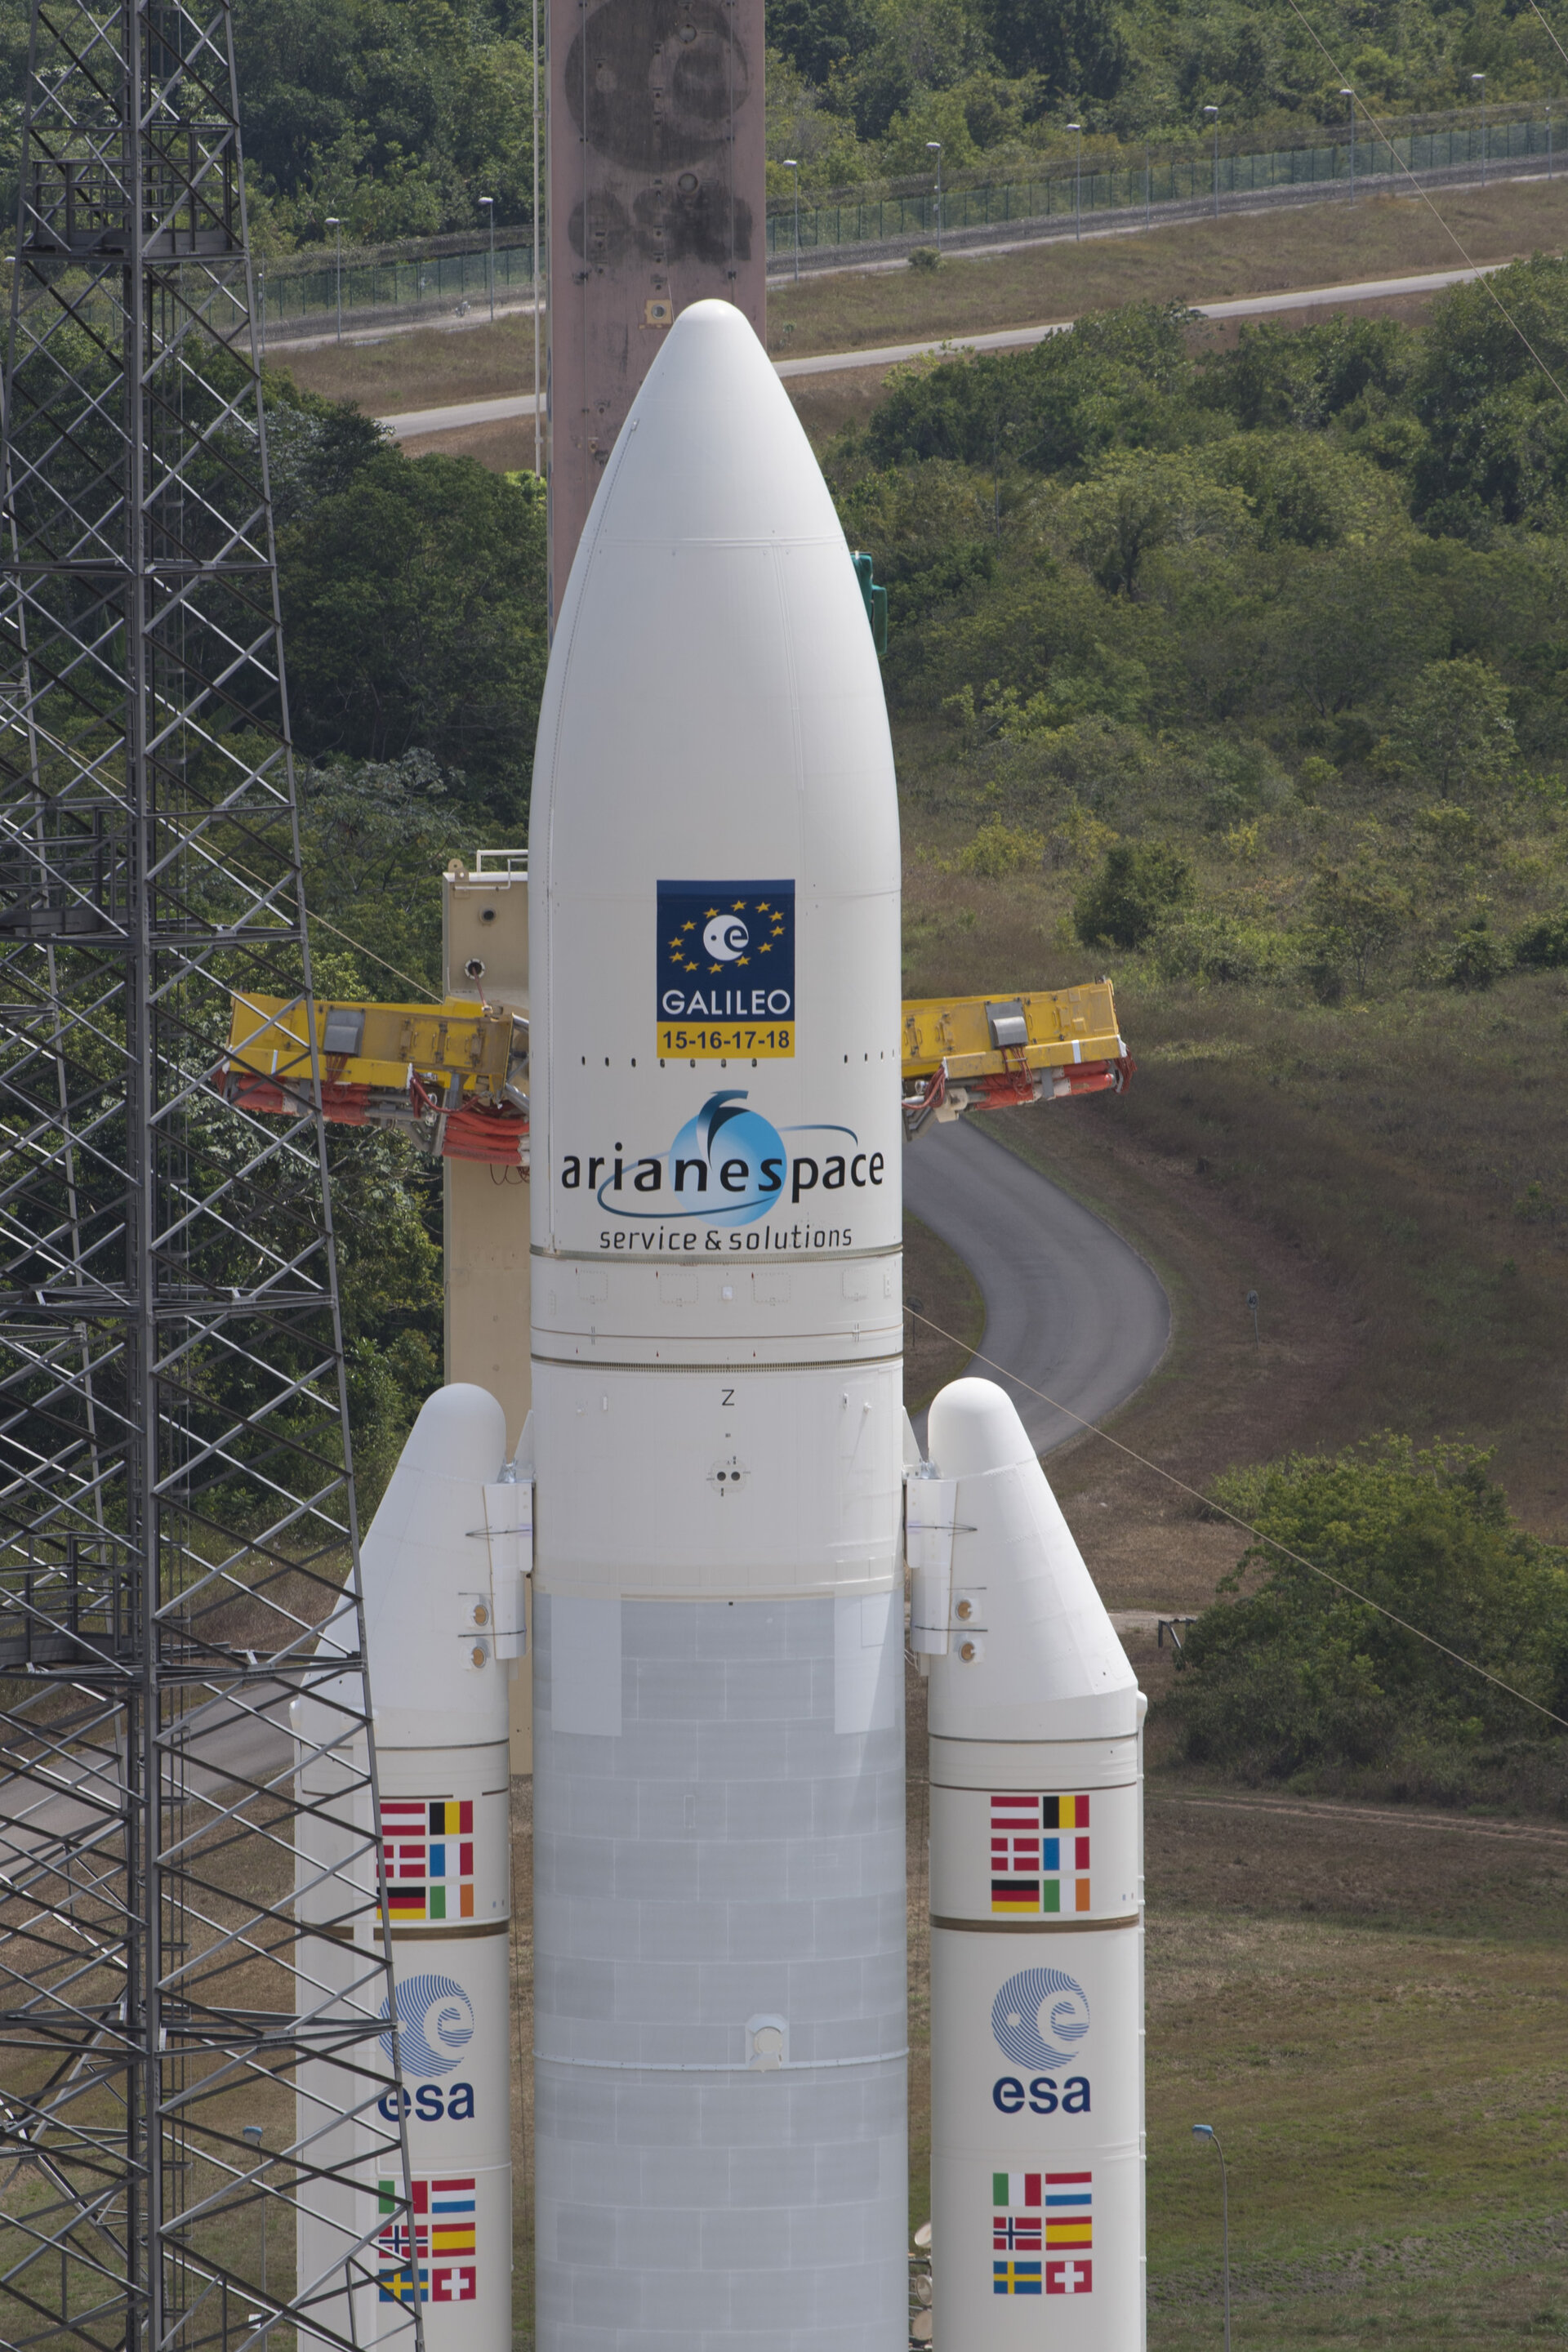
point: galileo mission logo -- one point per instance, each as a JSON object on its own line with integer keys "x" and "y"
{"x": 725, "y": 967}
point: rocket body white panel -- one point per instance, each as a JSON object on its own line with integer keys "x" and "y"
{"x": 718, "y": 1415}
{"x": 439, "y": 1696}
{"x": 1037, "y": 1895}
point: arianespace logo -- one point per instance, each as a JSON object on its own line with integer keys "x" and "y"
{"x": 727, "y": 1166}
{"x": 1039, "y": 2018}
{"x": 726, "y": 952}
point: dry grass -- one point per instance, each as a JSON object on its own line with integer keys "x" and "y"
{"x": 1198, "y": 261}
{"x": 1366, "y": 1168}
{"x": 941, "y": 1289}
{"x": 425, "y": 369}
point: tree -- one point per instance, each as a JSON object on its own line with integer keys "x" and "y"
{"x": 1453, "y": 726}
{"x": 1139, "y": 882}
{"x": 1077, "y": 47}
{"x": 413, "y": 618}
{"x": 1300, "y": 1673}
{"x": 1358, "y": 913}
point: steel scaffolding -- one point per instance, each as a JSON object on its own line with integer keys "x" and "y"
{"x": 186, "y": 1775}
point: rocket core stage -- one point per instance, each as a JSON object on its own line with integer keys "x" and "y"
{"x": 717, "y": 1434}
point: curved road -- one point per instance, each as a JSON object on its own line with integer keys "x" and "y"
{"x": 1069, "y": 1307}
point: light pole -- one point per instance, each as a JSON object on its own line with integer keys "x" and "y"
{"x": 1207, "y": 2132}
{"x": 1351, "y": 95}
{"x": 538, "y": 393}
{"x": 251, "y": 2134}
{"x": 1215, "y": 112}
{"x": 487, "y": 206}
{"x": 1077, "y": 183}
{"x": 334, "y": 222}
{"x": 792, "y": 164}
{"x": 1482, "y": 79}
{"x": 1549, "y": 138}
{"x": 933, "y": 147}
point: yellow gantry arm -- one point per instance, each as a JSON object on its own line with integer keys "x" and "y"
{"x": 454, "y": 1077}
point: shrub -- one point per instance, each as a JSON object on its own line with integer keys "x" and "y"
{"x": 1476, "y": 959}
{"x": 1542, "y": 946}
{"x": 1138, "y": 883}
{"x": 1300, "y": 1673}
{"x": 999, "y": 849}
{"x": 925, "y": 257}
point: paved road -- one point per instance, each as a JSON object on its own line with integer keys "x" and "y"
{"x": 412, "y": 421}
{"x": 1068, "y": 1306}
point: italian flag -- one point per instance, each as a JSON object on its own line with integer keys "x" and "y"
{"x": 1017, "y": 2191}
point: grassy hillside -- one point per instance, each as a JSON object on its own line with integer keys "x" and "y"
{"x": 1242, "y": 676}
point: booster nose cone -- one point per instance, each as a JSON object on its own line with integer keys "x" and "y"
{"x": 1043, "y": 1661}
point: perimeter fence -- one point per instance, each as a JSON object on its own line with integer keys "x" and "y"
{"x": 1187, "y": 177}
{"x": 295, "y": 298}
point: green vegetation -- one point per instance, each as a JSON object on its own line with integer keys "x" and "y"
{"x": 1263, "y": 646}
{"x": 1299, "y": 1678}
{"x": 857, "y": 87}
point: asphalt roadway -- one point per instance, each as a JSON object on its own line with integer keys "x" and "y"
{"x": 411, "y": 423}
{"x": 1071, "y": 1311}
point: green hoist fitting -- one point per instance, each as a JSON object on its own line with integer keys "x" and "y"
{"x": 875, "y": 599}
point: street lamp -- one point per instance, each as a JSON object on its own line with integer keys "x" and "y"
{"x": 333, "y": 222}
{"x": 1351, "y": 95}
{"x": 487, "y": 206}
{"x": 792, "y": 164}
{"x": 1215, "y": 112}
{"x": 1077, "y": 183}
{"x": 538, "y": 394}
{"x": 1206, "y": 2132}
{"x": 1482, "y": 79}
{"x": 933, "y": 147}
{"x": 251, "y": 2134}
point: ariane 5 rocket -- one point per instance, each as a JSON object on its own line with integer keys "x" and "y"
{"x": 1037, "y": 1904}
{"x": 441, "y": 1567}
{"x": 717, "y": 1430}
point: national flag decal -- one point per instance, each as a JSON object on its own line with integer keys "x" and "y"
{"x": 427, "y": 1858}
{"x": 1039, "y": 1855}
{"x": 444, "y": 2231}
{"x": 1042, "y": 2215}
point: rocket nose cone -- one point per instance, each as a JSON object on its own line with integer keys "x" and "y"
{"x": 460, "y": 1433}
{"x": 711, "y": 448}
{"x": 973, "y": 1428}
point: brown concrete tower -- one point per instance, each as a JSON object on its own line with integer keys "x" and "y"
{"x": 656, "y": 201}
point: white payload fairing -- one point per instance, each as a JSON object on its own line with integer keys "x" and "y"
{"x": 1037, "y": 1904}
{"x": 717, "y": 1428}
{"x": 442, "y": 1569}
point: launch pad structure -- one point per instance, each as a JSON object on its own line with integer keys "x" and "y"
{"x": 178, "y": 1551}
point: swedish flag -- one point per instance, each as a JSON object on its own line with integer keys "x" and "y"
{"x": 1015, "y": 2278}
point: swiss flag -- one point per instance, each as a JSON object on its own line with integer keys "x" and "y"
{"x": 1069, "y": 2278}
{"x": 456, "y": 2283}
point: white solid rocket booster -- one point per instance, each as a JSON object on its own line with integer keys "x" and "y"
{"x": 1037, "y": 1904}
{"x": 720, "y": 2002}
{"x": 441, "y": 1564}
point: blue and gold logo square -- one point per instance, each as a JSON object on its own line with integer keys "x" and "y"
{"x": 726, "y": 970}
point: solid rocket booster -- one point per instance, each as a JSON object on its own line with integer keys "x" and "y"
{"x": 440, "y": 1563}
{"x": 720, "y": 1946}
{"x": 1037, "y": 1902}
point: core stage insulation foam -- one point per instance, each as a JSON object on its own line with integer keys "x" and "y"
{"x": 720, "y": 1958}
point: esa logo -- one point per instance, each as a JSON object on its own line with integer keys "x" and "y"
{"x": 435, "y": 2026}
{"x": 1038, "y": 2018}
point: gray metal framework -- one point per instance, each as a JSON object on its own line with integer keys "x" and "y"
{"x": 178, "y": 1550}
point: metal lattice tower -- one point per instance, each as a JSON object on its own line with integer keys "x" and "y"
{"x": 178, "y": 1556}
